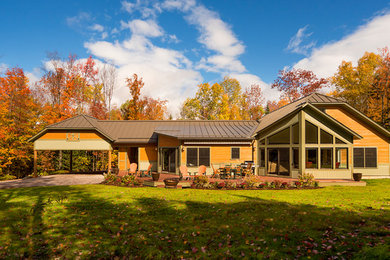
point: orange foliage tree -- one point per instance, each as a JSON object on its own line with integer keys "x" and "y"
{"x": 18, "y": 120}
{"x": 297, "y": 83}
{"x": 253, "y": 100}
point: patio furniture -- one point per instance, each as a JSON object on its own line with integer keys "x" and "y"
{"x": 148, "y": 172}
{"x": 248, "y": 170}
{"x": 216, "y": 172}
{"x": 238, "y": 171}
{"x": 202, "y": 170}
{"x": 171, "y": 183}
{"x": 228, "y": 172}
{"x": 184, "y": 174}
{"x": 133, "y": 169}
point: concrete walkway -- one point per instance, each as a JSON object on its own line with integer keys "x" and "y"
{"x": 53, "y": 180}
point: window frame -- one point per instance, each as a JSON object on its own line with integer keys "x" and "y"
{"x": 198, "y": 157}
{"x": 231, "y": 153}
{"x": 331, "y": 157}
{"x": 339, "y": 148}
{"x": 306, "y": 157}
{"x": 364, "y": 157}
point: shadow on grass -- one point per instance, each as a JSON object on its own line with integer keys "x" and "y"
{"x": 89, "y": 226}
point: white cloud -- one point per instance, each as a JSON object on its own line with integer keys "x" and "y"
{"x": 128, "y": 7}
{"x": 97, "y": 27}
{"x": 3, "y": 67}
{"x": 147, "y": 28}
{"x": 78, "y": 20}
{"x": 34, "y": 76}
{"x": 295, "y": 45}
{"x": 325, "y": 60}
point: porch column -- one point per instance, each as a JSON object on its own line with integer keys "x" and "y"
{"x": 35, "y": 162}
{"x": 302, "y": 142}
{"x": 71, "y": 161}
{"x": 109, "y": 160}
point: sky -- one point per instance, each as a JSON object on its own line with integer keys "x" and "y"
{"x": 174, "y": 45}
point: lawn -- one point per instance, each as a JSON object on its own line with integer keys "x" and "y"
{"x": 108, "y": 221}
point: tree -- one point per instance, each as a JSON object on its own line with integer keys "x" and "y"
{"x": 18, "y": 121}
{"x": 354, "y": 84}
{"x": 138, "y": 108}
{"x": 254, "y": 99}
{"x": 108, "y": 78}
{"x": 297, "y": 83}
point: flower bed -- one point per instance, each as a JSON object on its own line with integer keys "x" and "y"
{"x": 128, "y": 180}
{"x": 305, "y": 181}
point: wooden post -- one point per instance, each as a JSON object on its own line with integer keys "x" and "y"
{"x": 35, "y": 162}
{"x": 109, "y": 160}
{"x": 71, "y": 161}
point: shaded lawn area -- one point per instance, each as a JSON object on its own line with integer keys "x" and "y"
{"x": 107, "y": 221}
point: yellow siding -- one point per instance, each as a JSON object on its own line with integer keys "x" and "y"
{"x": 122, "y": 159}
{"x": 148, "y": 153}
{"x": 166, "y": 141}
{"x": 370, "y": 137}
{"x": 62, "y": 136}
{"x": 55, "y": 136}
{"x": 222, "y": 154}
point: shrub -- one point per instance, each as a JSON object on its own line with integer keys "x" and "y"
{"x": 316, "y": 184}
{"x": 307, "y": 179}
{"x": 250, "y": 182}
{"x": 276, "y": 184}
{"x": 285, "y": 185}
{"x": 221, "y": 185}
{"x": 7, "y": 177}
{"x": 127, "y": 180}
{"x": 201, "y": 181}
{"x": 297, "y": 184}
{"x": 262, "y": 186}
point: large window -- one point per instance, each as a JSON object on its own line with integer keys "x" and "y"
{"x": 198, "y": 156}
{"x": 262, "y": 157}
{"x": 295, "y": 134}
{"x": 326, "y": 138}
{"x": 326, "y": 158}
{"x": 311, "y": 158}
{"x": 282, "y": 137}
{"x": 295, "y": 158}
{"x": 235, "y": 154}
{"x": 365, "y": 157}
{"x": 341, "y": 158}
{"x": 311, "y": 133}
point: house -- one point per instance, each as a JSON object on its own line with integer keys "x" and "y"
{"x": 316, "y": 134}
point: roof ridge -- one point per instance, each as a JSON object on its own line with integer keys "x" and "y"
{"x": 63, "y": 120}
{"x": 176, "y": 121}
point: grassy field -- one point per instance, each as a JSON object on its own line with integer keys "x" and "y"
{"x": 107, "y": 221}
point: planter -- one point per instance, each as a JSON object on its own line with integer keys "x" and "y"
{"x": 171, "y": 182}
{"x": 357, "y": 176}
{"x": 155, "y": 176}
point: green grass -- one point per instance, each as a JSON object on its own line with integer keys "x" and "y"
{"x": 107, "y": 221}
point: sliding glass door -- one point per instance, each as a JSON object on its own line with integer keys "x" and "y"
{"x": 279, "y": 161}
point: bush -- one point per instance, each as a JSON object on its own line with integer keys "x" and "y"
{"x": 297, "y": 184}
{"x": 221, "y": 185}
{"x": 276, "y": 184}
{"x": 7, "y": 177}
{"x": 307, "y": 179}
{"x": 201, "y": 181}
{"x": 250, "y": 182}
{"x": 285, "y": 185}
{"x": 128, "y": 180}
{"x": 262, "y": 186}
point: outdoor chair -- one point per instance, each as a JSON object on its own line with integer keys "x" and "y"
{"x": 202, "y": 170}
{"x": 216, "y": 172}
{"x": 248, "y": 170}
{"x": 228, "y": 172}
{"x": 184, "y": 175}
{"x": 122, "y": 173}
{"x": 238, "y": 172}
{"x": 147, "y": 173}
{"x": 133, "y": 169}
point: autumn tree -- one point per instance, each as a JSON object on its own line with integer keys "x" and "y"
{"x": 141, "y": 108}
{"x": 354, "y": 83}
{"x": 108, "y": 79}
{"x": 18, "y": 120}
{"x": 297, "y": 83}
{"x": 254, "y": 99}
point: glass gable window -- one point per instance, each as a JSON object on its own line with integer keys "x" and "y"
{"x": 311, "y": 158}
{"x": 235, "y": 153}
{"x": 326, "y": 158}
{"x": 295, "y": 134}
{"x": 341, "y": 158}
{"x": 326, "y": 138}
{"x": 282, "y": 137}
{"x": 338, "y": 141}
{"x": 311, "y": 133}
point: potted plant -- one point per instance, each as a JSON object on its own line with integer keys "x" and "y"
{"x": 171, "y": 182}
{"x": 155, "y": 176}
{"x": 357, "y": 176}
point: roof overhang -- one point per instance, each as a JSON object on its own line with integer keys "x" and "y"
{"x": 47, "y": 129}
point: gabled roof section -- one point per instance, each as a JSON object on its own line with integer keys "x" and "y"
{"x": 313, "y": 99}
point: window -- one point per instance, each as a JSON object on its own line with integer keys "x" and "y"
{"x": 365, "y": 157}
{"x": 282, "y": 137}
{"x": 338, "y": 141}
{"x": 311, "y": 133}
{"x": 204, "y": 156}
{"x": 326, "y": 158}
{"x": 295, "y": 158}
{"x": 262, "y": 157}
{"x": 235, "y": 153}
{"x": 341, "y": 158}
{"x": 326, "y": 138}
{"x": 311, "y": 158}
{"x": 295, "y": 133}
{"x": 192, "y": 157}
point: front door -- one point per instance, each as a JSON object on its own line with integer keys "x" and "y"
{"x": 169, "y": 159}
{"x": 279, "y": 161}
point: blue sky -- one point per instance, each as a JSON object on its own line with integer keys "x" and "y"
{"x": 176, "y": 44}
